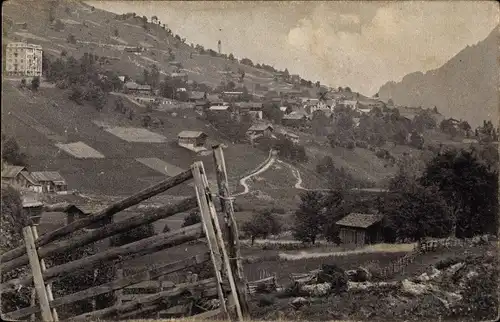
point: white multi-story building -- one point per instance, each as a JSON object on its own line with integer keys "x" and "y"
{"x": 23, "y": 59}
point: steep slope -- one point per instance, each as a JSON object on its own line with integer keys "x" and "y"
{"x": 464, "y": 87}
{"x": 101, "y": 33}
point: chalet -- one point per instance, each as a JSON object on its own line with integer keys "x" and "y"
{"x": 279, "y": 77}
{"x": 360, "y": 229}
{"x": 252, "y": 108}
{"x": 231, "y": 95}
{"x": 220, "y": 109}
{"x": 259, "y": 130}
{"x": 294, "y": 119}
{"x": 18, "y": 176}
{"x": 214, "y": 99}
{"x": 134, "y": 88}
{"x": 181, "y": 76}
{"x": 51, "y": 181}
{"x": 292, "y": 137}
{"x": 195, "y": 96}
{"x": 201, "y": 106}
{"x": 352, "y": 104}
{"x": 192, "y": 140}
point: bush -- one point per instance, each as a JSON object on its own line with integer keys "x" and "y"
{"x": 374, "y": 268}
{"x": 192, "y": 219}
{"x": 335, "y": 276}
{"x": 350, "y": 145}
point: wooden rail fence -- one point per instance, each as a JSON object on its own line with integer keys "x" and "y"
{"x": 227, "y": 285}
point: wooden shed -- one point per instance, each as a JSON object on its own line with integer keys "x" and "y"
{"x": 360, "y": 229}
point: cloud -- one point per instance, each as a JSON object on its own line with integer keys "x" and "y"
{"x": 400, "y": 38}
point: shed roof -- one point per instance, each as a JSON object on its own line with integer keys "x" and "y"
{"x": 43, "y": 176}
{"x": 359, "y": 220}
{"x": 191, "y": 134}
{"x": 260, "y": 127}
{"x": 197, "y": 95}
{"x": 11, "y": 171}
{"x": 219, "y": 107}
{"x": 294, "y": 116}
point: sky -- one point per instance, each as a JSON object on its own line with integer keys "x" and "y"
{"x": 360, "y": 44}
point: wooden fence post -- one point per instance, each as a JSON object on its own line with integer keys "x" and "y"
{"x": 48, "y": 286}
{"x": 231, "y": 228}
{"x": 221, "y": 244}
{"x": 119, "y": 293}
{"x": 210, "y": 234}
{"x": 37, "y": 274}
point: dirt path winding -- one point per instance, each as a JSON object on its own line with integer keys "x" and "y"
{"x": 259, "y": 170}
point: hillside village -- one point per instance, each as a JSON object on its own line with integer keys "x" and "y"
{"x": 384, "y": 199}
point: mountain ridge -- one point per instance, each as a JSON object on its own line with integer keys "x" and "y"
{"x": 464, "y": 87}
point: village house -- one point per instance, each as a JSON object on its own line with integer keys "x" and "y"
{"x": 283, "y": 109}
{"x": 294, "y": 119}
{"x": 51, "y": 181}
{"x": 136, "y": 89}
{"x": 220, "y": 109}
{"x": 19, "y": 177}
{"x": 232, "y": 96}
{"x": 259, "y": 130}
{"x": 292, "y": 137}
{"x": 352, "y": 104}
{"x": 192, "y": 140}
{"x": 181, "y": 76}
{"x": 252, "y": 108}
{"x": 360, "y": 229}
{"x": 195, "y": 96}
{"x": 279, "y": 77}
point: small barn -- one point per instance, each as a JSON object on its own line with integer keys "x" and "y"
{"x": 51, "y": 181}
{"x": 134, "y": 88}
{"x": 292, "y": 137}
{"x": 259, "y": 130}
{"x": 192, "y": 140}
{"x": 360, "y": 229}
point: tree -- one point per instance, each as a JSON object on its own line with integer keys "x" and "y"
{"x": 347, "y": 89}
{"x": 192, "y": 218}
{"x": 262, "y": 225}
{"x": 11, "y": 153}
{"x": 13, "y": 219}
{"x": 23, "y": 83}
{"x": 416, "y": 140}
{"x": 231, "y": 57}
{"x": 35, "y": 83}
{"x": 416, "y": 212}
{"x": 166, "y": 229}
{"x": 246, "y": 61}
{"x": 309, "y": 219}
{"x": 115, "y": 32}
{"x": 470, "y": 188}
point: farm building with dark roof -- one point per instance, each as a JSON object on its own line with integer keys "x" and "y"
{"x": 360, "y": 229}
{"x": 51, "y": 181}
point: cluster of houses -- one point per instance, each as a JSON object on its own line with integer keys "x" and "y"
{"x": 36, "y": 181}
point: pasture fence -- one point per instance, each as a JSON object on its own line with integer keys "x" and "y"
{"x": 227, "y": 286}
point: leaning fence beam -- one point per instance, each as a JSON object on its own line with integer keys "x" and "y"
{"x": 103, "y": 214}
{"x": 115, "y": 285}
{"x": 182, "y": 289}
{"x": 36, "y": 270}
{"x": 138, "y": 248}
{"x": 104, "y": 232}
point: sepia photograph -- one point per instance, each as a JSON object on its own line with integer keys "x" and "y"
{"x": 250, "y": 160}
